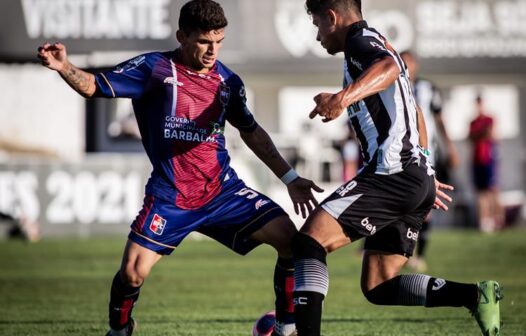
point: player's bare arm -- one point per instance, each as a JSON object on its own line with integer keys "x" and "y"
{"x": 300, "y": 189}
{"x": 440, "y": 187}
{"x": 422, "y": 128}
{"x": 54, "y": 57}
{"x": 376, "y": 78}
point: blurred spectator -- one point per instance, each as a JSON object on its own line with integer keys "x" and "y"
{"x": 19, "y": 225}
{"x": 443, "y": 155}
{"x": 351, "y": 155}
{"x": 484, "y": 164}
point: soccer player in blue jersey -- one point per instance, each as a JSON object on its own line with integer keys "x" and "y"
{"x": 390, "y": 197}
{"x": 182, "y": 100}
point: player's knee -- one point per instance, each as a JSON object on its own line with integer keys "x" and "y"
{"x": 306, "y": 247}
{"x": 133, "y": 276}
{"x": 287, "y": 235}
{"x": 384, "y": 293}
{"x": 371, "y": 296}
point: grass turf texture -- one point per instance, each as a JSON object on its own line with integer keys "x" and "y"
{"x": 60, "y": 287}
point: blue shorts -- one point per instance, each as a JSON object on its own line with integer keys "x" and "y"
{"x": 230, "y": 218}
{"x": 484, "y": 176}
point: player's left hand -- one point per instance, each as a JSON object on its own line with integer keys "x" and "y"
{"x": 328, "y": 105}
{"x": 439, "y": 186}
{"x": 300, "y": 192}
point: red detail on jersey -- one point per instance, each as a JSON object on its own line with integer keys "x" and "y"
{"x": 144, "y": 213}
{"x": 196, "y": 167}
{"x": 481, "y": 132}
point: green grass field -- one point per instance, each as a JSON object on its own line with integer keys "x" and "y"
{"x": 60, "y": 287}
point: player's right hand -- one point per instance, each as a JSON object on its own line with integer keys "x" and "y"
{"x": 53, "y": 56}
{"x": 439, "y": 186}
{"x": 300, "y": 192}
{"x": 328, "y": 105}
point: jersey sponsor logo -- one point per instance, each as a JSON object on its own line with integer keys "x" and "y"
{"x": 173, "y": 81}
{"x": 261, "y": 203}
{"x": 377, "y": 45}
{"x": 438, "y": 283}
{"x": 412, "y": 235}
{"x": 180, "y": 128}
{"x": 356, "y": 63}
{"x": 346, "y": 188}
{"x": 353, "y": 110}
{"x": 157, "y": 224}
{"x": 188, "y": 136}
{"x": 132, "y": 64}
{"x": 368, "y": 226}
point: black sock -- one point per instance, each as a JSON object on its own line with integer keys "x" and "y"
{"x": 423, "y": 290}
{"x": 445, "y": 293}
{"x": 122, "y": 300}
{"x": 283, "y": 288}
{"x": 308, "y": 311}
{"x": 311, "y": 283}
{"x": 402, "y": 290}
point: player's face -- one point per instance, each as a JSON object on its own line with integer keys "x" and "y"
{"x": 326, "y": 33}
{"x": 200, "y": 49}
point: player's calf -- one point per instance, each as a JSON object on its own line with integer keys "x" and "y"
{"x": 122, "y": 301}
{"x": 423, "y": 290}
{"x": 283, "y": 289}
{"x": 311, "y": 279}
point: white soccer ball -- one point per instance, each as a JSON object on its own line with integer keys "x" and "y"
{"x": 265, "y": 324}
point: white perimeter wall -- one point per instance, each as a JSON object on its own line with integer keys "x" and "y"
{"x": 38, "y": 109}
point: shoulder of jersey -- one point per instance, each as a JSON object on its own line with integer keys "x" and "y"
{"x": 226, "y": 73}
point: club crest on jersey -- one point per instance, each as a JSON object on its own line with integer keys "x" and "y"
{"x": 261, "y": 203}
{"x": 132, "y": 64}
{"x": 224, "y": 94}
{"x": 157, "y": 224}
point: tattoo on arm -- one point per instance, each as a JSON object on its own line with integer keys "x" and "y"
{"x": 80, "y": 81}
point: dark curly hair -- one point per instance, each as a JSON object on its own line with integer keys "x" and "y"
{"x": 319, "y": 6}
{"x": 203, "y": 15}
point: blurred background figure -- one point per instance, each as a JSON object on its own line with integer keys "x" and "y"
{"x": 443, "y": 155}
{"x": 20, "y": 227}
{"x": 14, "y": 222}
{"x": 484, "y": 168}
{"x": 351, "y": 155}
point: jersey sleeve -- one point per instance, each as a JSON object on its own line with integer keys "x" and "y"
{"x": 367, "y": 49}
{"x": 127, "y": 80}
{"x": 238, "y": 114}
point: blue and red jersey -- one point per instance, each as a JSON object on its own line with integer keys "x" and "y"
{"x": 181, "y": 116}
{"x": 480, "y": 130}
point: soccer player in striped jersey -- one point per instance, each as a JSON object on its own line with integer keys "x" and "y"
{"x": 389, "y": 198}
{"x": 182, "y": 100}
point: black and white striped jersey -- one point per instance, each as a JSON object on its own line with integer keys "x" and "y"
{"x": 386, "y": 122}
